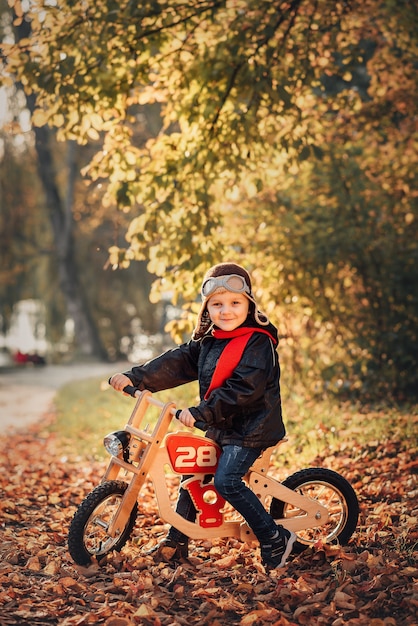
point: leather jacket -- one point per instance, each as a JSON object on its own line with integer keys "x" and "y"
{"x": 246, "y": 409}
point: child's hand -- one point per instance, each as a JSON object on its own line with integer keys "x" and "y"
{"x": 119, "y": 382}
{"x": 187, "y": 418}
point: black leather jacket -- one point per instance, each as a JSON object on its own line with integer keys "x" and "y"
{"x": 246, "y": 409}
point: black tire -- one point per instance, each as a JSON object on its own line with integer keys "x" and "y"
{"x": 88, "y": 536}
{"x": 333, "y": 492}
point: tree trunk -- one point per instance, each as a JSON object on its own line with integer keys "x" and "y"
{"x": 87, "y": 337}
{"x": 86, "y": 334}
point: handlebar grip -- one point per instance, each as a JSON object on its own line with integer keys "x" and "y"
{"x": 198, "y": 424}
{"x": 130, "y": 390}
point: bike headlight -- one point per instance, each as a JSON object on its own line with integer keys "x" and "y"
{"x": 115, "y": 443}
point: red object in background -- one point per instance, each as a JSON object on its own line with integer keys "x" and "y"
{"x": 22, "y": 359}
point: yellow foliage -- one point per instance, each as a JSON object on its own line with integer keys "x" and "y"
{"x": 288, "y": 145}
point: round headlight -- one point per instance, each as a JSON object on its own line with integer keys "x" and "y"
{"x": 115, "y": 443}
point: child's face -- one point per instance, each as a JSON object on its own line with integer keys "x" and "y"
{"x": 228, "y": 310}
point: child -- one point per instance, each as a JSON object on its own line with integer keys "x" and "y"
{"x": 232, "y": 355}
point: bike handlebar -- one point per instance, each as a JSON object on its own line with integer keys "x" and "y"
{"x": 200, "y": 424}
{"x": 131, "y": 390}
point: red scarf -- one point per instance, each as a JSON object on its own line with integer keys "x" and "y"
{"x": 232, "y": 353}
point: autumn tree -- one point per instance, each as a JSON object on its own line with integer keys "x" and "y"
{"x": 303, "y": 108}
{"x": 118, "y": 301}
{"x": 50, "y": 237}
{"x": 20, "y": 223}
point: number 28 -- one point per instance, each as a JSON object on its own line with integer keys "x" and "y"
{"x": 188, "y": 456}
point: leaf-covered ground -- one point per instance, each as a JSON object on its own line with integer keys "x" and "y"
{"x": 370, "y": 582}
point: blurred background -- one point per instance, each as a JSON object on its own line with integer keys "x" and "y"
{"x": 103, "y": 262}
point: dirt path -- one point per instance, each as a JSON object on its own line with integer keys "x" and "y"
{"x": 27, "y": 393}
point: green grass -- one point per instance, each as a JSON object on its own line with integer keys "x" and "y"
{"x": 88, "y": 410}
{"x": 323, "y": 427}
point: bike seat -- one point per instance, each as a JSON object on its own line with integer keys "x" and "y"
{"x": 262, "y": 464}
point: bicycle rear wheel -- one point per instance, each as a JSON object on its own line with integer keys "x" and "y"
{"x": 332, "y": 491}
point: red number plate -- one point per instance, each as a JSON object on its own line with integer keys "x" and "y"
{"x": 190, "y": 454}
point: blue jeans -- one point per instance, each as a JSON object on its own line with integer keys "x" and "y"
{"x": 234, "y": 463}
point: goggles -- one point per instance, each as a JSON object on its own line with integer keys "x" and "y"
{"x": 232, "y": 282}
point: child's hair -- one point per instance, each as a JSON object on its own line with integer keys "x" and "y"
{"x": 203, "y": 322}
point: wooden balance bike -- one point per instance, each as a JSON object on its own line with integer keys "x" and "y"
{"x": 315, "y": 503}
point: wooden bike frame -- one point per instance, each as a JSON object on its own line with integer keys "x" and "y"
{"x": 194, "y": 456}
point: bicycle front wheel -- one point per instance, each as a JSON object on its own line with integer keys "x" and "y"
{"x": 88, "y": 536}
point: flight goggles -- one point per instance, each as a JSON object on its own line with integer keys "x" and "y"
{"x": 231, "y": 282}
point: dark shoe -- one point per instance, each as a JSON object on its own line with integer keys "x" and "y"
{"x": 275, "y": 553}
{"x": 169, "y": 550}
